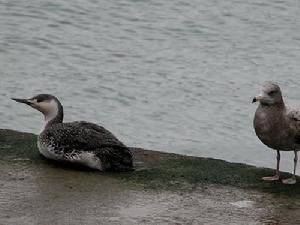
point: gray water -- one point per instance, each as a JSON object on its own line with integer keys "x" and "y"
{"x": 177, "y": 76}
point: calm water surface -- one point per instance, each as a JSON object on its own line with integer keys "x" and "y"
{"x": 177, "y": 76}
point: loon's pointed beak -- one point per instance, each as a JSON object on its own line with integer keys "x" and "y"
{"x": 25, "y": 101}
{"x": 254, "y": 100}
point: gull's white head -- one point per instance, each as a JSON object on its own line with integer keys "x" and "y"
{"x": 270, "y": 95}
{"x": 47, "y": 104}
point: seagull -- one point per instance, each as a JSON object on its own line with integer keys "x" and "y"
{"x": 277, "y": 126}
{"x": 79, "y": 142}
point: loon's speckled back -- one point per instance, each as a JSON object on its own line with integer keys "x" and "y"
{"x": 70, "y": 140}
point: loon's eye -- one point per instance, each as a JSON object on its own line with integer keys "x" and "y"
{"x": 38, "y": 100}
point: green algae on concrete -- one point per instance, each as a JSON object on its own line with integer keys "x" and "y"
{"x": 161, "y": 170}
{"x": 165, "y": 170}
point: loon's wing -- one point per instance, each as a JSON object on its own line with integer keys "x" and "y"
{"x": 85, "y": 136}
{"x": 81, "y": 135}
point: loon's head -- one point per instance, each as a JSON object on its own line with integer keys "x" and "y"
{"x": 47, "y": 104}
{"x": 270, "y": 95}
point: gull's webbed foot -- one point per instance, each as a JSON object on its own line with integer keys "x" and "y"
{"x": 291, "y": 180}
{"x": 272, "y": 178}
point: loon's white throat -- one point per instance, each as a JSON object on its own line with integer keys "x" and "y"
{"x": 51, "y": 112}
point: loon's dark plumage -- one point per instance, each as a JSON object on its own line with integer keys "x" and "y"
{"x": 78, "y": 142}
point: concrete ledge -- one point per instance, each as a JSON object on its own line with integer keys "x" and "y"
{"x": 165, "y": 189}
{"x": 158, "y": 170}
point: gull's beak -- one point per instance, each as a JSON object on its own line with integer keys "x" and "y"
{"x": 257, "y": 98}
{"x": 25, "y": 101}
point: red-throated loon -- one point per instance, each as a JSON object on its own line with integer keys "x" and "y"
{"x": 77, "y": 142}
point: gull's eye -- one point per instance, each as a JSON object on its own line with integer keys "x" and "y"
{"x": 271, "y": 92}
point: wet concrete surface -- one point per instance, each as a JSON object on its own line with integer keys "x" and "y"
{"x": 36, "y": 191}
{"x": 49, "y": 195}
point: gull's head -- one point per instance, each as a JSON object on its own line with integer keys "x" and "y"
{"x": 47, "y": 104}
{"x": 270, "y": 95}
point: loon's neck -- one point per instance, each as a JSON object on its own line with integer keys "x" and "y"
{"x": 54, "y": 117}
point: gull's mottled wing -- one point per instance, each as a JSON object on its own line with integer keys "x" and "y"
{"x": 294, "y": 116}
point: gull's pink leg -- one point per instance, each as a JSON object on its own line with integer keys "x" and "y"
{"x": 292, "y": 180}
{"x": 276, "y": 177}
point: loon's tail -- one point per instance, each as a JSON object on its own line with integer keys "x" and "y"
{"x": 116, "y": 158}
